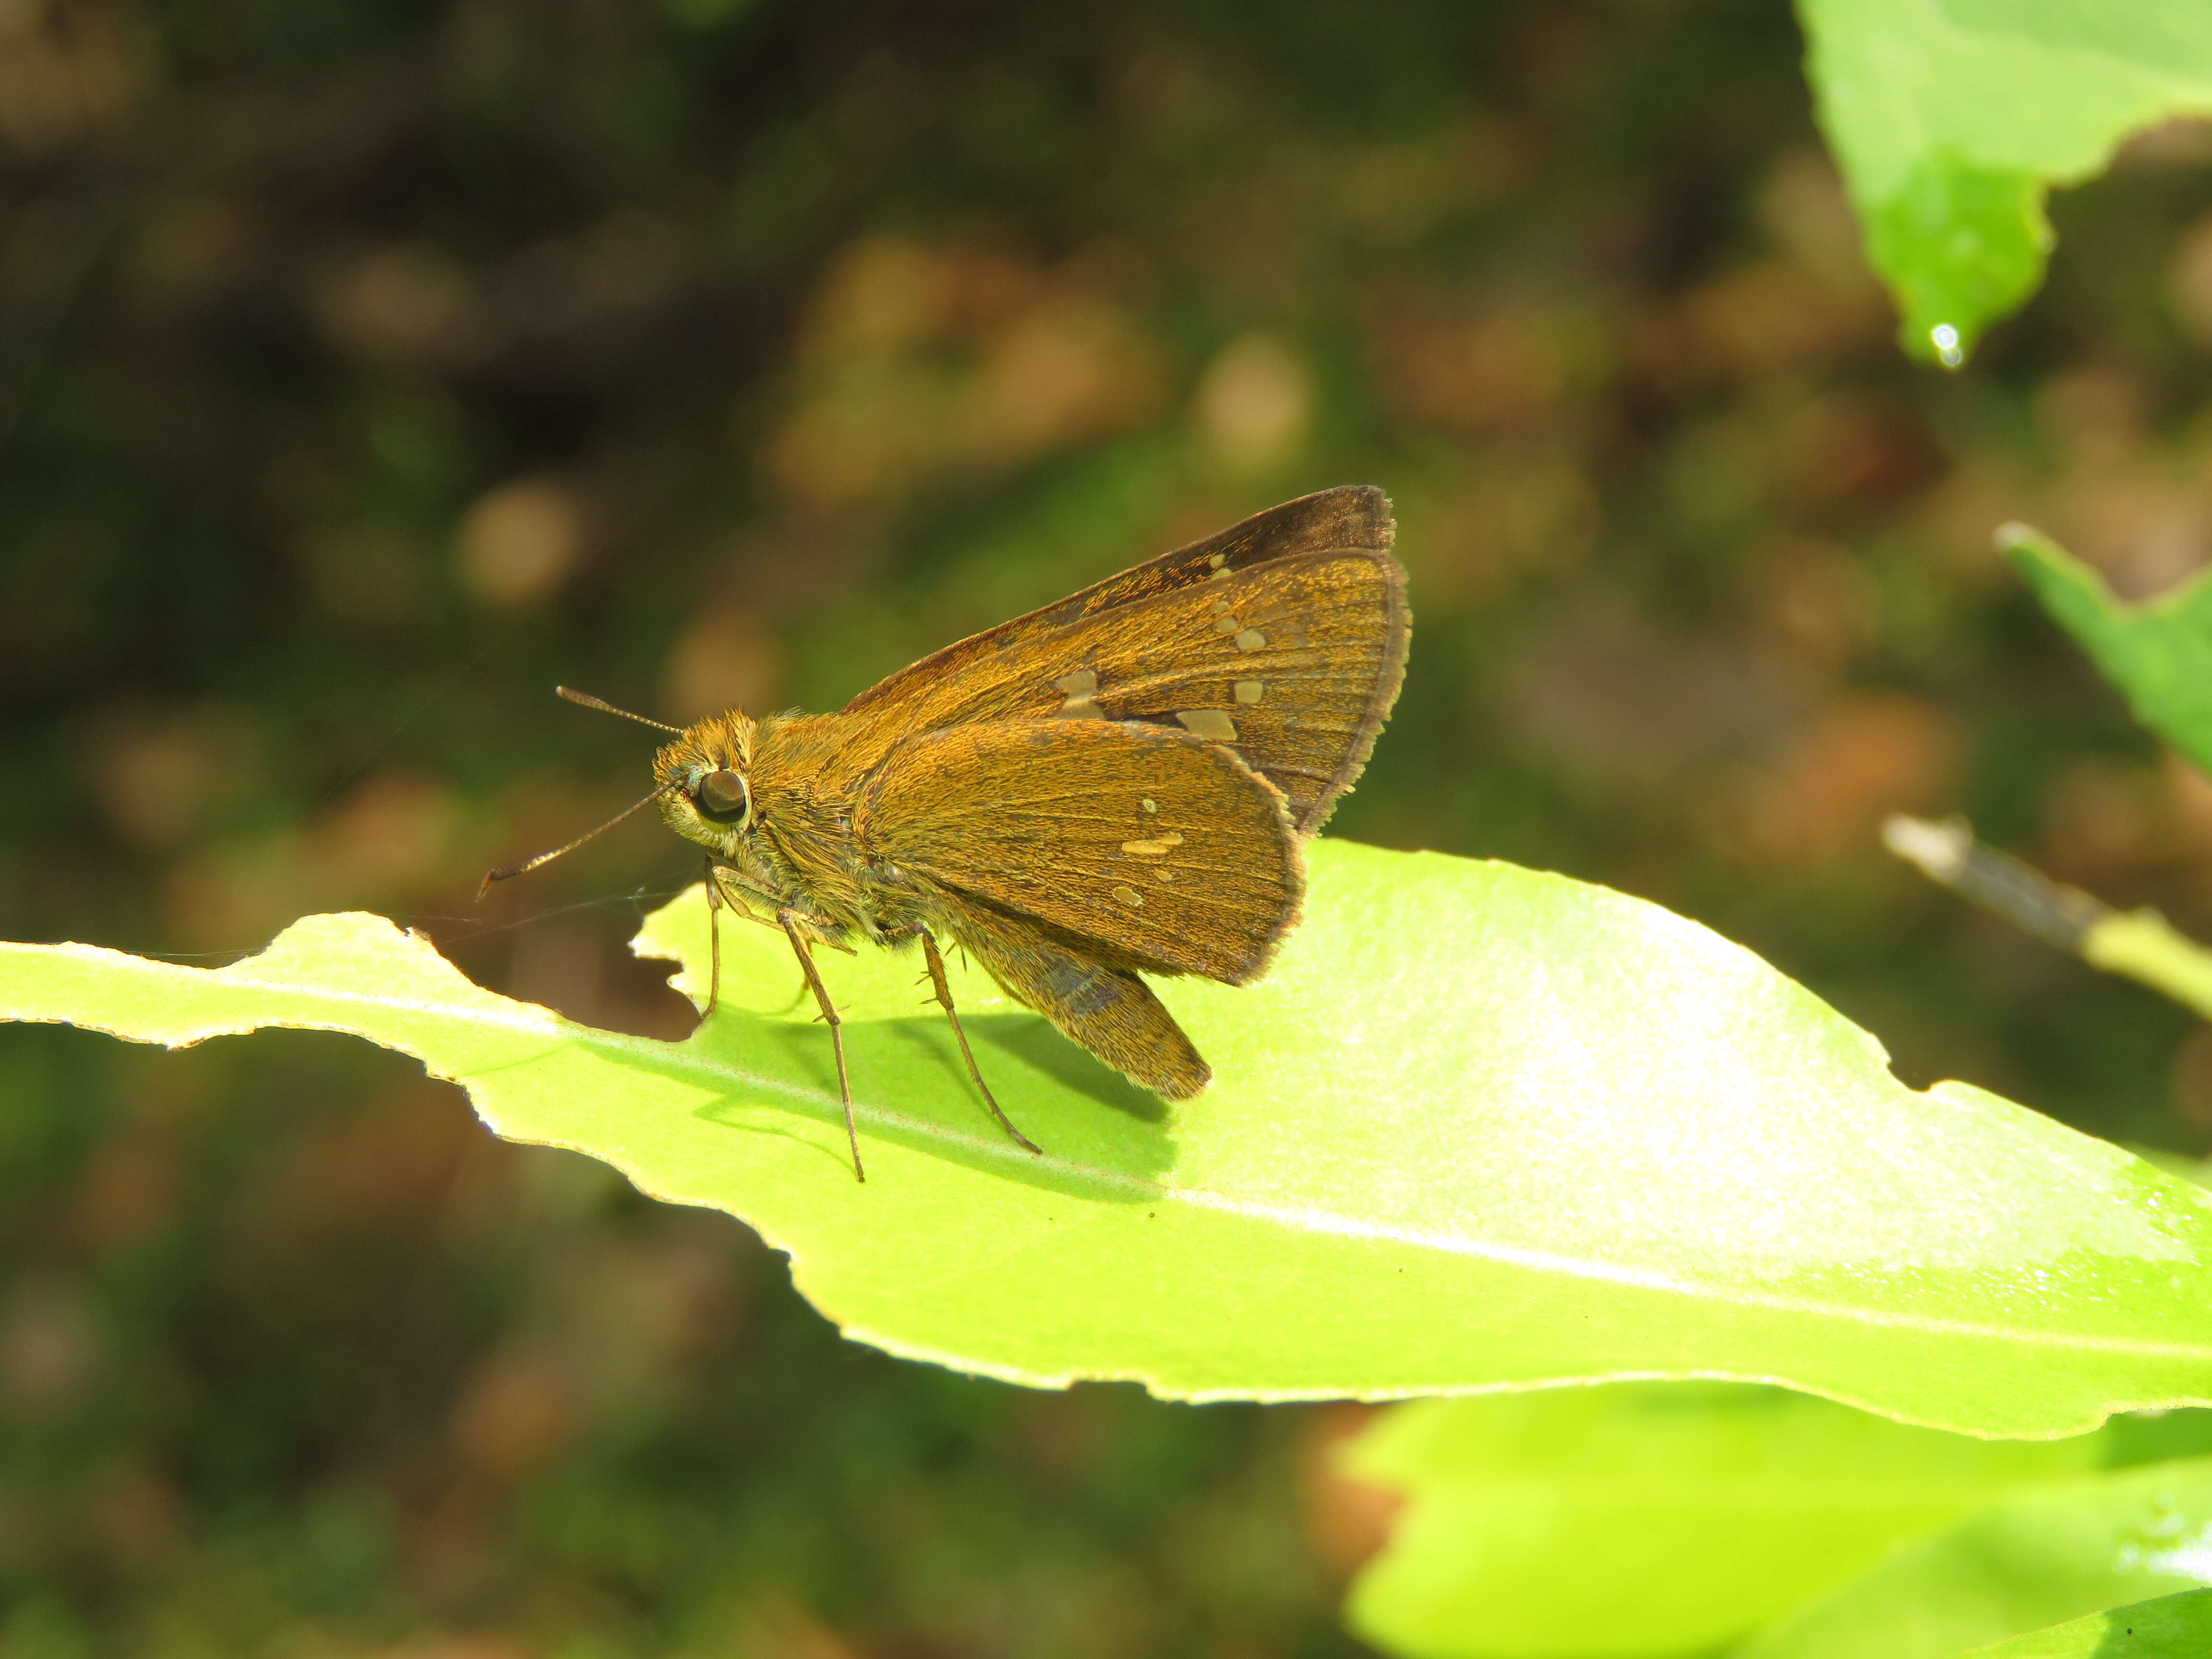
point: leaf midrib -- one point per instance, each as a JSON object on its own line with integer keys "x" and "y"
{"x": 679, "y": 1057}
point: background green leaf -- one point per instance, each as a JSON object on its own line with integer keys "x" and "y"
{"x": 1480, "y": 1127}
{"x": 2158, "y": 652}
{"x": 1952, "y": 119}
{"x": 2038, "y": 1559}
{"x": 2169, "y": 1627}
{"x": 1650, "y": 1519}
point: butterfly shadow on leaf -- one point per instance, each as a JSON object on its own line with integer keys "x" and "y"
{"x": 1104, "y": 1137}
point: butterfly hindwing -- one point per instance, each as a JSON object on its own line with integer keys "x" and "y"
{"x": 1106, "y": 1009}
{"x": 1156, "y": 849}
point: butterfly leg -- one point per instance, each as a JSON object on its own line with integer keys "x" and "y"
{"x": 945, "y": 998}
{"x": 714, "y": 939}
{"x": 790, "y": 920}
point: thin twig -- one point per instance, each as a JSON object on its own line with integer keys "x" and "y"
{"x": 2139, "y": 944}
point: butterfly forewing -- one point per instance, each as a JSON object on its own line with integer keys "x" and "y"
{"x": 1293, "y": 665}
{"x": 1349, "y": 518}
{"x": 1158, "y": 848}
{"x": 1283, "y": 637}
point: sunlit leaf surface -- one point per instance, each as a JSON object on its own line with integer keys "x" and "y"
{"x": 1480, "y": 1127}
{"x": 2159, "y": 652}
{"x": 1952, "y": 119}
{"x": 2169, "y": 1627}
{"x": 1651, "y": 1518}
{"x": 2043, "y": 1558}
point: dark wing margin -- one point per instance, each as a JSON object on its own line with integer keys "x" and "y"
{"x": 1390, "y": 678}
{"x": 1154, "y": 850}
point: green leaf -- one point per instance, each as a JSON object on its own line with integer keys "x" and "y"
{"x": 2159, "y": 653}
{"x": 1952, "y": 119}
{"x": 1480, "y": 1127}
{"x": 2170, "y": 1628}
{"x": 2039, "y": 1559}
{"x": 1654, "y": 1519}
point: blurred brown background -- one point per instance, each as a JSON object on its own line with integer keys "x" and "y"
{"x": 368, "y": 366}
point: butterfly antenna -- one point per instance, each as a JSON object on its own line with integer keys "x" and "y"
{"x": 606, "y": 707}
{"x": 522, "y": 866}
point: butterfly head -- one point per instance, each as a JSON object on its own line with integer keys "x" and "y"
{"x": 704, "y": 793}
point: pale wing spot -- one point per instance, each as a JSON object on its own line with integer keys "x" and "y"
{"x": 1164, "y": 874}
{"x": 1080, "y": 686}
{"x": 1156, "y": 847}
{"x": 1249, "y": 690}
{"x": 1226, "y": 624}
{"x": 1149, "y": 805}
{"x": 1211, "y": 724}
{"x": 1250, "y": 639}
{"x": 1217, "y": 560}
{"x": 1221, "y": 606}
{"x": 1128, "y": 896}
{"x": 1221, "y": 575}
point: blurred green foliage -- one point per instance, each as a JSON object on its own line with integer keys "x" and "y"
{"x": 1672, "y": 1519}
{"x": 2154, "y": 653}
{"x": 364, "y": 368}
{"x": 2042, "y": 1557}
{"x": 1952, "y": 121}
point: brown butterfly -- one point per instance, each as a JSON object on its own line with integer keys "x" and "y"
{"x": 1116, "y": 785}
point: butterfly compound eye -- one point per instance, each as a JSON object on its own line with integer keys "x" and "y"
{"x": 722, "y": 798}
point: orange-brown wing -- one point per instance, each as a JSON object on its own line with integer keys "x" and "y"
{"x": 1164, "y": 849}
{"x": 1105, "y": 1008}
{"x": 1283, "y": 638}
{"x": 1349, "y": 518}
{"x": 1294, "y": 666}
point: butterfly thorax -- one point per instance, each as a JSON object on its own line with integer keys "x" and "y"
{"x": 773, "y": 804}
